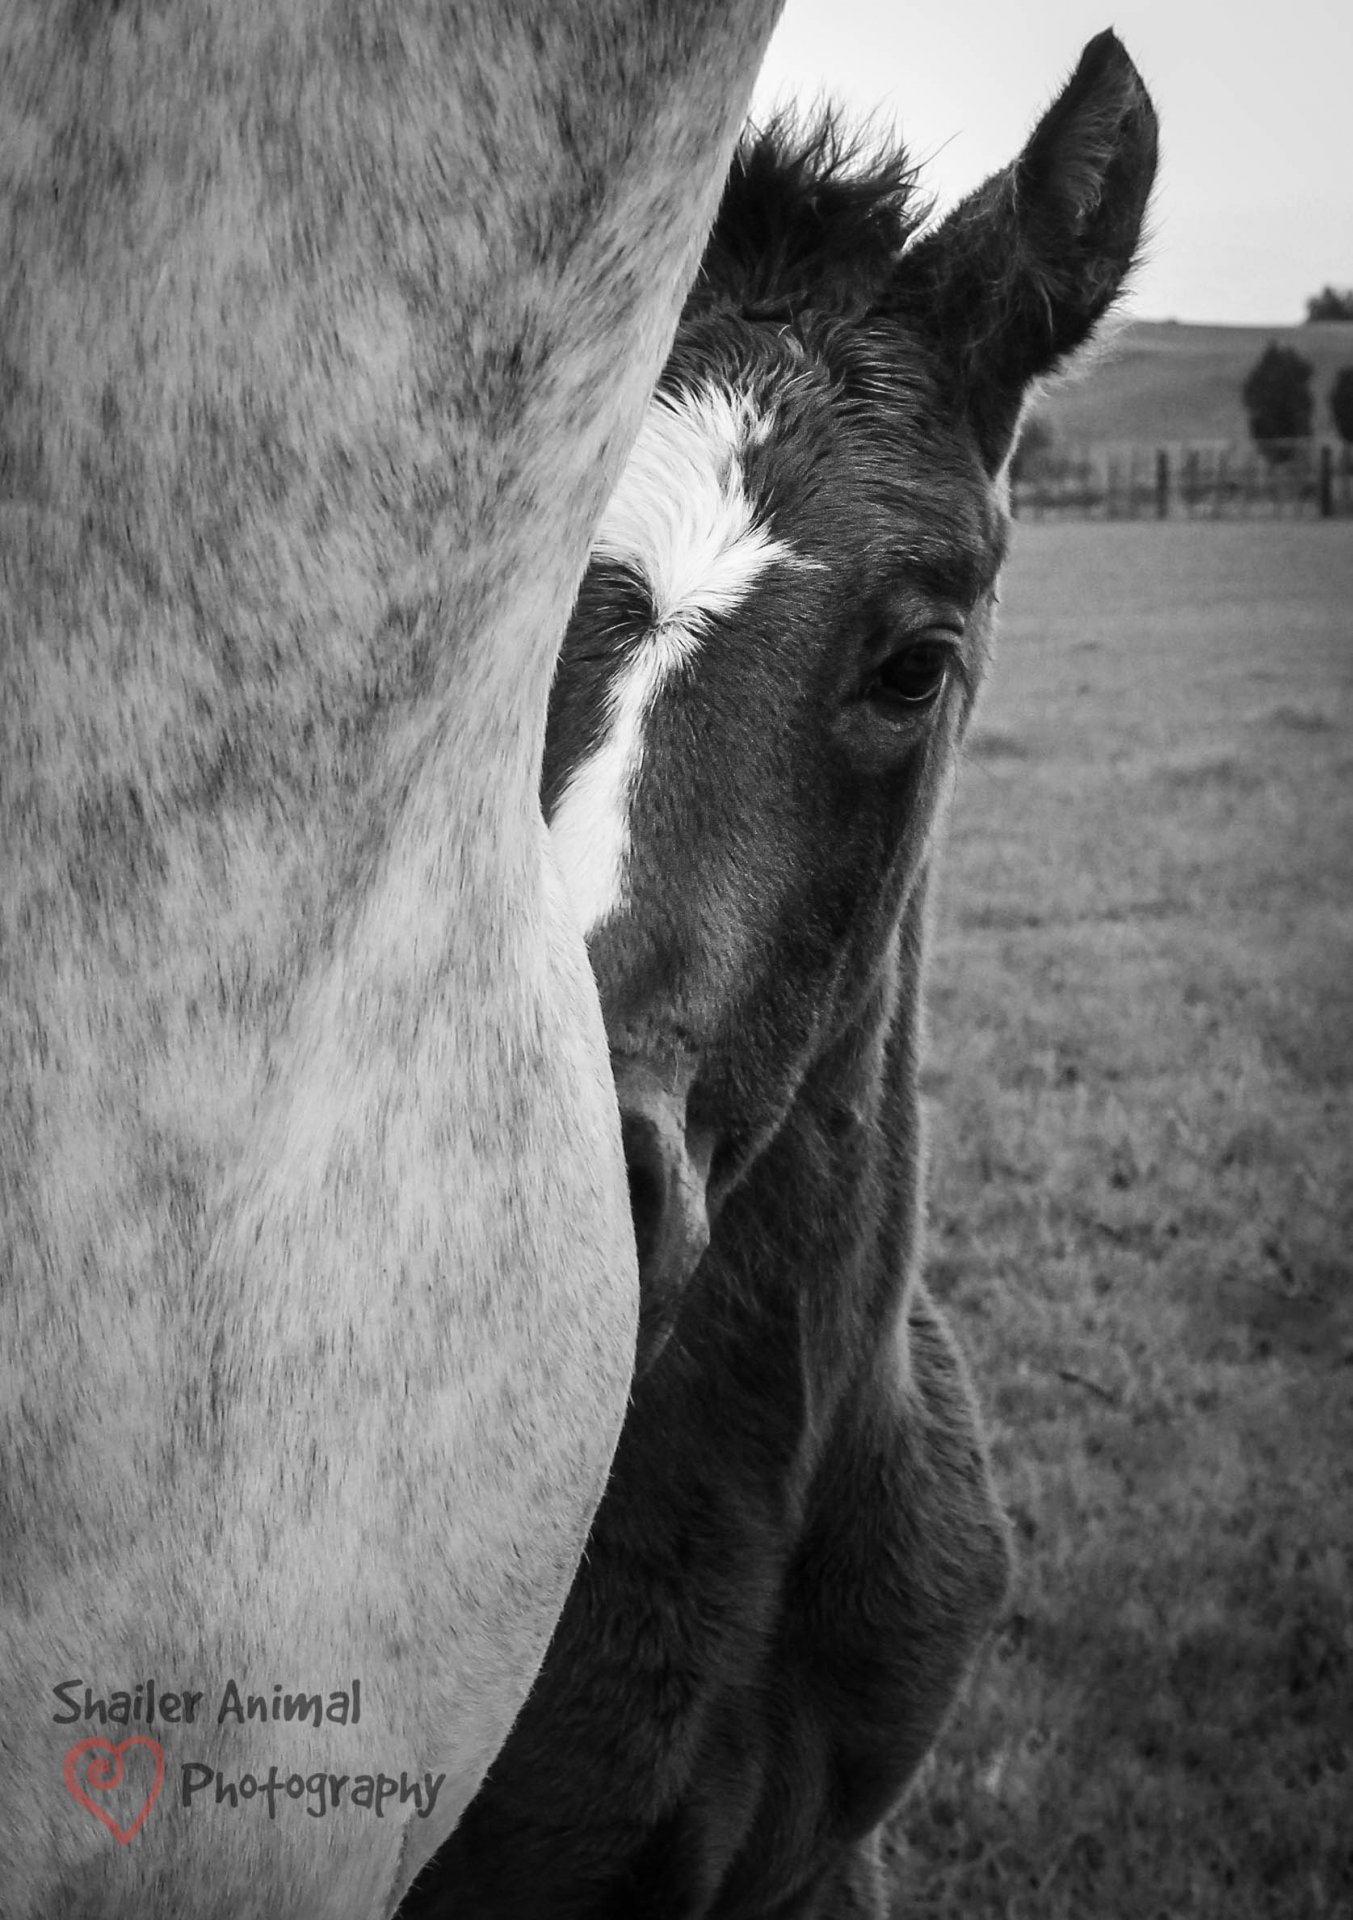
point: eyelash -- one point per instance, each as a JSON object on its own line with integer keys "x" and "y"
{"x": 914, "y": 677}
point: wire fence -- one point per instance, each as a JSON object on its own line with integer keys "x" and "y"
{"x": 1295, "y": 479}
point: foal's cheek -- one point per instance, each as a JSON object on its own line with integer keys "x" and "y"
{"x": 674, "y": 957}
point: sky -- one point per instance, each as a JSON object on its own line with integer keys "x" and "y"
{"x": 1254, "y": 205}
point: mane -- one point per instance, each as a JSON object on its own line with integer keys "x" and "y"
{"x": 813, "y": 215}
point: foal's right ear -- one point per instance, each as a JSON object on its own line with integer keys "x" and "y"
{"x": 1019, "y": 274}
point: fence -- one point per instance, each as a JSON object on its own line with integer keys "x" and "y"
{"x": 1208, "y": 481}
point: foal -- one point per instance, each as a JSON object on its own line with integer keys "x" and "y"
{"x": 771, "y": 664}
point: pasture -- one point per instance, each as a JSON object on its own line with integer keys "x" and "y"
{"x": 1162, "y": 380}
{"x": 1140, "y": 1091}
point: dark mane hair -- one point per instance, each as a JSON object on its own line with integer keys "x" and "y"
{"x": 813, "y": 215}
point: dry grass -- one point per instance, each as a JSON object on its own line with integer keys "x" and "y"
{"x": 1142, "y": 1134}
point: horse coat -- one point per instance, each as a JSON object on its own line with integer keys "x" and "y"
{"x": 326, "y": 329}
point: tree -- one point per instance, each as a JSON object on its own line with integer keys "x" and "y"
{"x": 1277, "y": 396}
{"x": 1341, "y": 405}
{"x": 1331, "y": 303}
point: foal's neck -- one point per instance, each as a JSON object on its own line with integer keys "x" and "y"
{"x": 819, "y": 1244}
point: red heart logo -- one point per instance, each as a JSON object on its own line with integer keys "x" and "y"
{"x": 105, "y": 1772}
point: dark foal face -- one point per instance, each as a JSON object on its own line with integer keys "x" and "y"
{"x": 777, "y": 644}
{"x": 760, "y": 693}
{"x": 772, "y": 658}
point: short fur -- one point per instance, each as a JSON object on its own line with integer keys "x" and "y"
{"x": 324, "y": 331}
{"x": 799, "y": 1548}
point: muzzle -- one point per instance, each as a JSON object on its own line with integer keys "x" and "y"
{"x": 668, "y": 1164}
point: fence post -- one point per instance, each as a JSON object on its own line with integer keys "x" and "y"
{"x": 1162, "y": 483}
{"x": 1326, "y": 480}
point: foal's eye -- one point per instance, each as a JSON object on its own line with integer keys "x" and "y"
{"x": 914, "y": 677}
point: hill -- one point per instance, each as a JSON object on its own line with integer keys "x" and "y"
{"x": 1164, "y": 380}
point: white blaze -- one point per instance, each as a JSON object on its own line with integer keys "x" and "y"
{"x": 680, "y": 518}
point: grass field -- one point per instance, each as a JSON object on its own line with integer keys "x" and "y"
{"x": 1141, "y": 1112}
{"x": 1158, "y": 381}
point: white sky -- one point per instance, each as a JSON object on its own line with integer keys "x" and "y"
{"x": 1254, "y": 206}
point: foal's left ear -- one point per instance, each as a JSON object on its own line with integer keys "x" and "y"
{"x": 1019, "y": 273}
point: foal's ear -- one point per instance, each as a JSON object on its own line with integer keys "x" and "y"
{"x": 1019, "y": 273}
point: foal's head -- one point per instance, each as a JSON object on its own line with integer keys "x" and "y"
{"x": 777, "y": 643}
